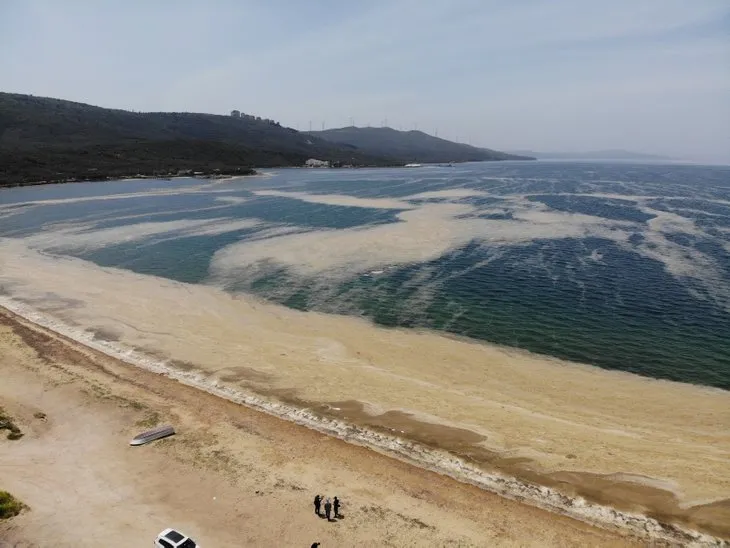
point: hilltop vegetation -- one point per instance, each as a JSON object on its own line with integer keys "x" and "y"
{"x": 44, "y": 139}
{"x": 52, "y": 139}
{"x": 411, "y": 146}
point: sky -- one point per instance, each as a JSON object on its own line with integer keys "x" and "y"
{"x": 547, "y": 75}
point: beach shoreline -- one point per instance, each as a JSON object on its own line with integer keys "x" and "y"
{"x": 230, "y": 476}
{"x": 525, "y": 487}
{"x": 161, "y": 177}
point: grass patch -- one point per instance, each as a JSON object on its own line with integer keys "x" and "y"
{"x": 9, "y": 505}
{"x": 104, "y": 392}
{"x": 125, "y": 402}
{"x": 150, "y": 421}
{"x": 136, "y": 405}
{"x": 6, "y": 423}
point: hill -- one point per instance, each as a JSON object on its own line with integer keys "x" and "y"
{"x": 613, "y": 154}
{"x": 52, "y": 139}
{"x": 411, "y": 146}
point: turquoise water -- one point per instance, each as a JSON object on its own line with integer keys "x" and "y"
{"x": 622, "y": 266}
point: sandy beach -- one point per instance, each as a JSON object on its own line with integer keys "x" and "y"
{"x": 230, "y": 477}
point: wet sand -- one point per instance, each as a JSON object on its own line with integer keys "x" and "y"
{"x": 643, "y": 446}
{"x": 230, "y": 477}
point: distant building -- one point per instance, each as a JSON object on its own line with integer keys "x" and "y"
{"x": 312, "y": 162}
{"x": 236, "y": 113}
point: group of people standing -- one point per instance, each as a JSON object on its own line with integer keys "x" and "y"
{"x": 329, "y": 506}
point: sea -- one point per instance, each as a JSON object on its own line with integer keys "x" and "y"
{"x": 622, "y": 266}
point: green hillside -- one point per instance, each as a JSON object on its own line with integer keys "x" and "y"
{"x": 52, "y": 139}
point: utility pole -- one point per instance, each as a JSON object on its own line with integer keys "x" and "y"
{"x": 310, "y": 126}
{"x": 352, "y": 121}
{"x": 322, "y": 125}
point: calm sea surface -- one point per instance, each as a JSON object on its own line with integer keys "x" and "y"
{"x": 622, "y": 266}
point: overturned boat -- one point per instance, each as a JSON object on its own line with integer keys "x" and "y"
{"x": 152, "y": 435}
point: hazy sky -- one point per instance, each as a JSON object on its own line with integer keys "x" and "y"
{"x": 647, "y": 75}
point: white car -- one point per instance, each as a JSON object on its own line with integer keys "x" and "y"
{"x": 169, "y": 538}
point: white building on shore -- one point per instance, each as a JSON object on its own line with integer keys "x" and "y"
{"x": 312, "y": 162}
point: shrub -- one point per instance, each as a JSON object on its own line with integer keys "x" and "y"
{"x": 6, "y": 423}
{"x": 9, "y": 505}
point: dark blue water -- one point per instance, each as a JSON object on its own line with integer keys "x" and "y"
{"x": 622, "y": 266}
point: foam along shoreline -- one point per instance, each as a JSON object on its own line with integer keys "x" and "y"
{"x": 412, "y": 452}
{"x": 162, "y": 177}
{"x": 251, "y": 467}
{"x": 440, "y": 403}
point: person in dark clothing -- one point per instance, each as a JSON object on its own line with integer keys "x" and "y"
{"x": 328, "y": 509}
{"x": 317, "y": 504}
{"x": 336, "y": 507}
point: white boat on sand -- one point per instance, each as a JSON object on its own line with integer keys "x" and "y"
{"x": 152, "y": 435}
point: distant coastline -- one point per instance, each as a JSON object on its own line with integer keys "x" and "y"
{"x": 132, "y": 176}
{"x": 613, "y": 155}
